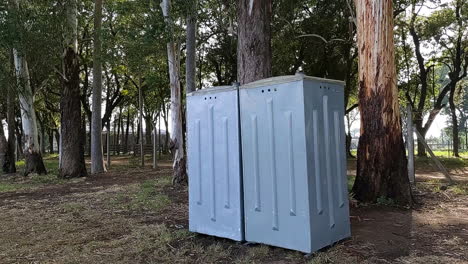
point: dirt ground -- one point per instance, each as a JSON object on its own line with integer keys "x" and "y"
{"x": 135, "y": 215}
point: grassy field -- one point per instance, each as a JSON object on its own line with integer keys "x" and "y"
{"x": 135, "y": 215}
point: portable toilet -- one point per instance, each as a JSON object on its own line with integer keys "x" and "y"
{"x": 214, "y": 168}
{"x": 293, "y": 158}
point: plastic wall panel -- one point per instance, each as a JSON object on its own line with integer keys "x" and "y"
{"x": 213, "y": 145}
{"x": 295, "y": 188}
{"x": 326, "y": 163}
{"x": 274, "y": 161}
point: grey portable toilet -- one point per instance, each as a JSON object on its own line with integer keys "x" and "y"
{"x": 214, "y": 170}
{"x": 293, "y": 158}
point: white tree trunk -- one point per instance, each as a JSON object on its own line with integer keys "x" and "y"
{"x": 26, "y": 99}
{"x": 177, "y": 139}
{"x": 31, "y": 148}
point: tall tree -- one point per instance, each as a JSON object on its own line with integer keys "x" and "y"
{"x": 445, "y": 30}
{"x": 10, "y": 166}
{"x": 97, "y": 161}
{"x": 3, "y": 145}
{"x": 458, "y": 56}
{"x": 177, "y": 137}
{"x": 254, "y": 40}
{"x": 31, "y": 148}
{"x": 72, "y": 163}
{"x": 381, "y": 164}
{"x": 190, "y": 63}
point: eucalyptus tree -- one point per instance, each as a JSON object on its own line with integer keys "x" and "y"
{"x": 97, "y": 161}
{"x": 190, "y": 64}
{"x": 381, "y": 164}
{"x": 444, "y": 30}
{"x": 72, "y": 163}
{"x": 254, "y": 57}
{"x": 176, "y": 131}
{"x": 31, "y": 148}
{"x": 8, "y": 108}
{"x": 457, "y": 61}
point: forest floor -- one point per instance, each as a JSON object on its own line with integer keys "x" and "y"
{"x": 135, "y": 215}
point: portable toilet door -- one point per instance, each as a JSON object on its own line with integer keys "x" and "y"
{"x": 214, "y": 170}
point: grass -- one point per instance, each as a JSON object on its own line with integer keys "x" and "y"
{"x": 149, "y": 198}
{"x": 461, "y": 189}
{"x": 8, "y": 187}
{"x": 449, "y": 162}
{"x": 335, "y": 254}
{"x": 144, "y": 196}
{"x": 445, "y": 153}
{"x": 17, "y": 182}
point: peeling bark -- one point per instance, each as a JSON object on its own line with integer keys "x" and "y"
{"x": 176, "y": 133}
{"x": 381, "y": 164}
{"x": 31, "y": 148}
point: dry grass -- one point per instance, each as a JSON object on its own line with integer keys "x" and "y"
{"x": 137, "y": 216}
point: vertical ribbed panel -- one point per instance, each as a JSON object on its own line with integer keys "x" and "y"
{"x": 226, "y": 160}
{"x": 326, "y": 132}
{"x": 338, "y": 156}
{"x": 318, "y": 181}
{"x": 274, "y": 191}
{"x": 199, "y": 164}
{"x": 255, "y": 163}
{"x": 292, "y": 152}
{"x": 292, "y": 179}
{"x": 212, "y": 162}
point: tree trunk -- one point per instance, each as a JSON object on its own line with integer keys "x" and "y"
{"x": 51, "y": 141}
{"x": 148, "y": 128}
{"x": 31, "y": 149}
{"x": 138, "y": 133}
{"x": 9, "y": 165}
{"x": 19, "y": 139}
{"x": 42, "y": 137}
{"x": 453, "y": 114}
{"x": 349, "y": 139}
{"x": 381, "y": 163}
{"x": 166, "y": 135}
{"x": 57, "y": 139}
{"x": 418, "y": 123}
{"x": 140, "y": 121}
{"x": 119, "y": 130}
{"x": 127, "y": 130}
{"x": 190, "y": 63}
{"x": 254, "y": 40}
{"x": 97, "y": 161}
{"x": 72, "y": 164}
{"x": 114, "y": 138}
{"x": 3, "y": 147}
{"x": 159, "y": 135}
{"x": 177, "y": 141}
